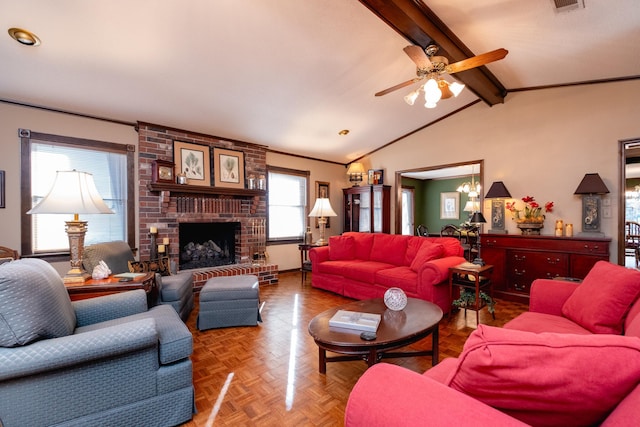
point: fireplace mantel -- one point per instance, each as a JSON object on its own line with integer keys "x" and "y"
{"x": 195, "y": 189}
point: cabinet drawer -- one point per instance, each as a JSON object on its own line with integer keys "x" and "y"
{"x": 523, "y": 267}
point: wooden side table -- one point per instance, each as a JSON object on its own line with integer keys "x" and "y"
{"x": 94, "y": 288}
{"x": 471, "y": 278}
{"x": 305, "y": 262}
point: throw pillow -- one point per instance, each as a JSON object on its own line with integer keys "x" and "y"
{"x": 161, "y": 266}
{"x": 548, "y": 379}
{"x": 389, "y": 248}
{"x": 341, "y": 248}
{"x": 34, "y": 303}
{"x": 426, "y": 253}
{"x": 452, "y": 246}
{"x": 601, "y": 302}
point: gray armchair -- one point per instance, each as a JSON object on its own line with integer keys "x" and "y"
{"x": 175, "y": 290}
{"x": 100, "y": 361}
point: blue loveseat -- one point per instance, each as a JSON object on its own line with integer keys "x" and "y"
{"x": 95, "y": 362}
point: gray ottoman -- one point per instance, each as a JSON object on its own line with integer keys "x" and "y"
{"x": 229, "y": 301}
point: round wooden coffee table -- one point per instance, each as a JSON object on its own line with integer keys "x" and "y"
{"x": 397, "y": 329}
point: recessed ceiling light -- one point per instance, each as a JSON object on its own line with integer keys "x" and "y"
{"x": 24, "y": 37}
{"x": 343, "y": 132}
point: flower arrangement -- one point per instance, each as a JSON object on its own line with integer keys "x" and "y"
{"x": 532, "y": 211}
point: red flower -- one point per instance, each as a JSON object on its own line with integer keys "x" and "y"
{"x": 528, "y": 199}
{"x": 548, "y": 207}
{"x": 533, "y": 204}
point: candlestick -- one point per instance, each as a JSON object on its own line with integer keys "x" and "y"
{"x": 161, "y": 249}
{"x": 165, "y": 240}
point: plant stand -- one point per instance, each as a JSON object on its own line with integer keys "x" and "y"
{"x": 476, "y": 288}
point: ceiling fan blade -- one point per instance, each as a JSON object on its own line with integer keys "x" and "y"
{"x": 417, "y": 55}
{"x": 476, "y": 61}
{"x": 398, "y": 86}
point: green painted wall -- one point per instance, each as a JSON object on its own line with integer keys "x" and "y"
{"x": 427, "y": 201}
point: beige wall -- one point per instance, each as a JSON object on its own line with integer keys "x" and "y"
{"x": 540, "y": 143}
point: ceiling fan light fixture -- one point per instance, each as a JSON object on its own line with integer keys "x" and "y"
{"x": 432, "y": 93}
{"x": 411, "y": 97}
{"x": 443, "y": 85}
{"x": 456, "y": 88}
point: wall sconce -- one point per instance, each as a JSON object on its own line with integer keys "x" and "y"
{"x": 498, "y": 192}
{"x": 355, "y": 172}
{"x": 591, "y": 187}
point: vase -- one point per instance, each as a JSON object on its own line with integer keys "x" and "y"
{"x": 530, "y": 228}
{"x": 395, "y": 299}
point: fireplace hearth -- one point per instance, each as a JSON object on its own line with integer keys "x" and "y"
{"x": 208, "y": 244}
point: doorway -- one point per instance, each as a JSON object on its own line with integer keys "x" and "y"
{"x": 468, "y": 169}
{"x": 629, "y": 197}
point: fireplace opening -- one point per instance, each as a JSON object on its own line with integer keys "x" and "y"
{"x": 207, "y": 244}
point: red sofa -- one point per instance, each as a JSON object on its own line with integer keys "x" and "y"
{"x": 572, "y": 360}
{"x": 365, "y": 265}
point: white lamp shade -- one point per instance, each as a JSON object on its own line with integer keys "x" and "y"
{"x": 471, "y": 206}
{"x": 322, "y": 208}
{"x": 72, "y": 192}
{"x": 355, "y": 167}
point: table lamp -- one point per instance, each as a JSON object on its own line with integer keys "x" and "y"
{"x": 478, "y": 219}
{"x": 498, "y": 192}
{"x": 355, "y": 172}
{"x": 73, "y": 192}
{"x": 321, "y": 210}
{"x": 591, "y": 187}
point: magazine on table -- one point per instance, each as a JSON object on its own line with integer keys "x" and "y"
{"x": 355, "y": 320}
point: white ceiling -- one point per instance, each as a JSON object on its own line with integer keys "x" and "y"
{"x": 289, "y": 74}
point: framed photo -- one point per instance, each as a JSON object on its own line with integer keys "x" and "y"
{"x": 228, "y": 168}
{"x": 322, "y": 191}
{"x": 2, "y": 189}
{"x": 162, "y": 171}
{"x": 590, "y": 211}
{"x": 375, "y": 177}
{"x": 497, "y": 215}
{"x": 450, "y": 205}
{"x": 194, "y": 161}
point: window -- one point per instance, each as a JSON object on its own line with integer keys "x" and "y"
{"x": 287, "y": 204}
{"x": 407, "y": 211}
{"x": 112, "y": 168}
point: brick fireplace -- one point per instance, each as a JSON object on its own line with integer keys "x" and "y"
{"x": 166, "y": 207}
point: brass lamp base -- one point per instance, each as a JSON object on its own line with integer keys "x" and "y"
{"x": 76, "y": 276}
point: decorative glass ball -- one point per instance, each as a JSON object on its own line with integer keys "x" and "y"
{"x": 395, "y": 299}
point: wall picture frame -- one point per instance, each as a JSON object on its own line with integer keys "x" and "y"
{"x": 228, "y": 168}
{"x": 322, "y": 191}
{"x": 450, "y": 205}
{"x": 375, "y": 177}
{"x": 497, "y": 217}
{"x": 193, "y": 160}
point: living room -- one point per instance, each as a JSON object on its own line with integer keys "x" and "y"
{"x": 540, "y": 142}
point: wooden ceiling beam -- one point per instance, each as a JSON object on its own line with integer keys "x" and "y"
{"x": 420, "y": 26}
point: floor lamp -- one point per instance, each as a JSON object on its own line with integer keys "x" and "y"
{"x": 321, "y": 210}
{"x": 73, "y": 192}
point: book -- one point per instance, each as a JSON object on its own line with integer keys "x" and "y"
{"x": 129, "y": 275}
{"x": 468, "y": 264}
{"x": 355, "y": 320}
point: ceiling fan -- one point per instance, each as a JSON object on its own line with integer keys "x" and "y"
{"x": 432, "y": 68}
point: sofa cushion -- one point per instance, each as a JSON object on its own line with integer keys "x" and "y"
{"x": 389, "y": 248}
{"x": 364, "y": 242}
{"x": 34, "y": 304}
{"x": 342, "y": 248}
{"x": 452, "y": 246}
{"x": 413, "y": 246}
{"x": 400, "y": 277}
{"x": 602, "y": 301}
{"x": 542, "y": 322}
{"x": 426, "y": 253}
{"x": 115, "y": 254}
{"x": 364, "y": 271}
{"x": 548, "y": 379}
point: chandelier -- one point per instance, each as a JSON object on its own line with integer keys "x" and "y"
{"x": 471, "y": 188}
{"x": 435, "y": 89}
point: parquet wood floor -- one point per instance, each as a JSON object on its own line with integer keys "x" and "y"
{"x": 270, "y": 372}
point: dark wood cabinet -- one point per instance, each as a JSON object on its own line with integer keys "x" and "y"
{"x": 519, "y": 260}
{"x": 367, "y": 208}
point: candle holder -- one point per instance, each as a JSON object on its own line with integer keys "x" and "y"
{"x": 153, "y": 252}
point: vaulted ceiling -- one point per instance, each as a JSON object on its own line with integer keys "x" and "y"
{"x": 291, "y": 74}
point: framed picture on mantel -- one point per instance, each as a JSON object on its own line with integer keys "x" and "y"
{"x": 228, "y": 168}
{"x": 193, "y": 160}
